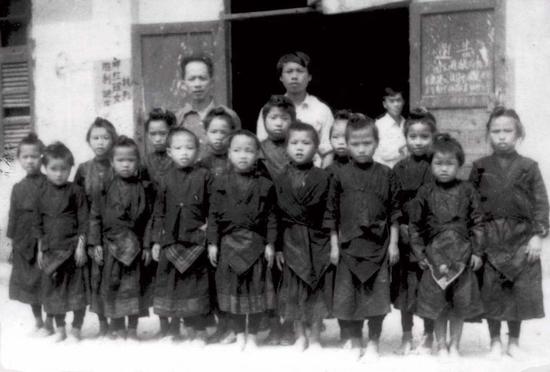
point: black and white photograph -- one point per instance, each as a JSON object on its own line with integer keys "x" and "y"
{"x": 274, "y": 185}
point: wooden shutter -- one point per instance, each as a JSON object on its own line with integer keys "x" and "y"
{"x": 157, "y": 51}
{"x": 15, "y": 96}
{"x": 457, "y": 67}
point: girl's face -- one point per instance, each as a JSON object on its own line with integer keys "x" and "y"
{"x": 503, "y": 134}
{"x": 157, "y": 134}
{"x": 419, "y": 139}
{"x": 243, "y": 153}
{"x": 100, "y": 141}
{"x": 445, "y": 166}
{"x": 362, "y": 145}
{"x": 276, "y": 123}
{"x": 183, "y": 150}
{"x": 338, "y": 137}
{"x": 58, "y": 171}
{"x": 300, "y": 147}
{"x": 30, "y": 158}
{"x": 125, "y": 161}
{"x": 217, "y": 133}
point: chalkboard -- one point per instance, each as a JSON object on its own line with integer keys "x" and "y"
{"x": 457, "y": 58}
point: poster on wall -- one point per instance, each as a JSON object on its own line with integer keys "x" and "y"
{"x": 113, "y": 82}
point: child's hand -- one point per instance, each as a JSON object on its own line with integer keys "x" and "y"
{"x": 269, "y": 255}
{"x": 98, "y": 255}
{"x": 334, "y": 254}
{"x": 404, "y": 234}
{"x": 476, "y": 262}
{"x": 213, "y": 254}
{"x": 423, "y": 264}
{"x": 203, "y": 227}
{"x": 155, "y": 252}
{"x": 146, "y": 256}
{"x": 393, "y": 252}
{"x": 534, "y": 248}
{"x": 80, "y": 254}
{"x": 280, "y": 259}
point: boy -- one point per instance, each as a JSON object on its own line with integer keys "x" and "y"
{"x": 181, "y": 208}
{"x": 446, "y": 236}
{"x": 338, "y": 138}
{"x": 366, "y": 194}
{"x": 392, "y": 146}
{"x": 294, "y": 74}
{"x": 62, "y": 224}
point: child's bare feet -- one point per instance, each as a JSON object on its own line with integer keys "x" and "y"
{"x": 454, "y": 353}
{"x": 200, "y": 338}
{"x": 371, "y": 350}
{"x": 252, "y": 342}
{"x": 442, "y": 351}
{"x": 514, "y": 350}
{"x": 406, "y": 344}
{"x": 60, "y": 334}
{"x": 132, "y": 334}
{"x": 240, "y": 341}
{"x": 76, "y": 334}
{"x": 314, "y": 345}
{"x": 301, "y": 343}
{"x": 103, "y": 328}
{"x": 118, "y": 334}
{"x": 47, "y": 329}
{"x": 229, "y": 338}
{"x": 426, "y": 344}
{"x": 496, "y": 349}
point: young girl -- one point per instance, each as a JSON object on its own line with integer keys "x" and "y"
{"x": 24, "y": 285}
{"x": 94, "y": 176}
{"x": 515, "y": 204}
{"x": 446, "y": 236}
{"x": 117, "y": 224}
{"x": 307, "y": 223}
{"x": 179, "y": 220}
{"x": 338, "y": 138}
{"x": 219, "y": 124}
{"x": 411, "y": 173}
{"x": 365, "y": 193}
{"x": 61, "y": 227}
{"x": 242, "y": 223}
{"x": 157, "y": 162}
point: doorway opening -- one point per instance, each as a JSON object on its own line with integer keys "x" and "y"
{"x": 353, "y": 55}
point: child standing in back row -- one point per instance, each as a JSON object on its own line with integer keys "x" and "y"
{"x": 242, "y": 229}
{"x": 446, "y": 236}
{"x": 25, "y": 276}
{"x": 94, "y": 176}
{"x": 411, "y": 173}
{"x": 61, "y": 227}
{"x": 515, "y": 204}
{"x": 365, "y": 193}
{"x": 117, "y": 223}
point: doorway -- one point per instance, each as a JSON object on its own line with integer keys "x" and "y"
{"x": 354, "y": 55}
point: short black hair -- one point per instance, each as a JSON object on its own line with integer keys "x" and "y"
{"x": 297, "y": 57}
{"x": 102, "y": 123}
{"x": 508, "y": 112}
{"x": 420, "y": 115}
{"x": 221, "y": 112}
{"x": 340, "y": 115}
{"x": 197, "y": 58}
{"x": 445, "y": 144}
{"x": 125, "y": 141}
{"x": 30, "y": 139}
{"x": 247, "y": 133}
{"x": 57, "y": 150}
{"x": 282, "y": 102}
{"x": 390, "y": 91}
{"x": 300, "y": 126}
{"x": 161, "y": 114}
{"x": 358, "y": 121}
{"x": 177, "y": 130}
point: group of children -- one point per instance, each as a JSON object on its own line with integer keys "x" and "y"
{"x": 250, "y": 235}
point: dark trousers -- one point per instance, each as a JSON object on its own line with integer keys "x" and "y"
{"x": 237, "y": 322}
{"x": 354, "y": 328}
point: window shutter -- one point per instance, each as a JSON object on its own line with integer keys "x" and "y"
{"x": 15, "y": 97}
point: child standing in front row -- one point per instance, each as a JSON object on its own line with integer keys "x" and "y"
{"x": 515, "y": 204}
{"x": 446, "y": 235}
{"x": 365, "y": 194}
{"x": 117, "y": 222}
{"x": 25, "y": 278}
{"x": 94, "y": 176}
{"x": 179, "y": 219}
{"x": 307, "y": 224}
{"x": 411, "y": 173}
{"x": 61, "y": 225}
{"x": 241, "y": 232}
